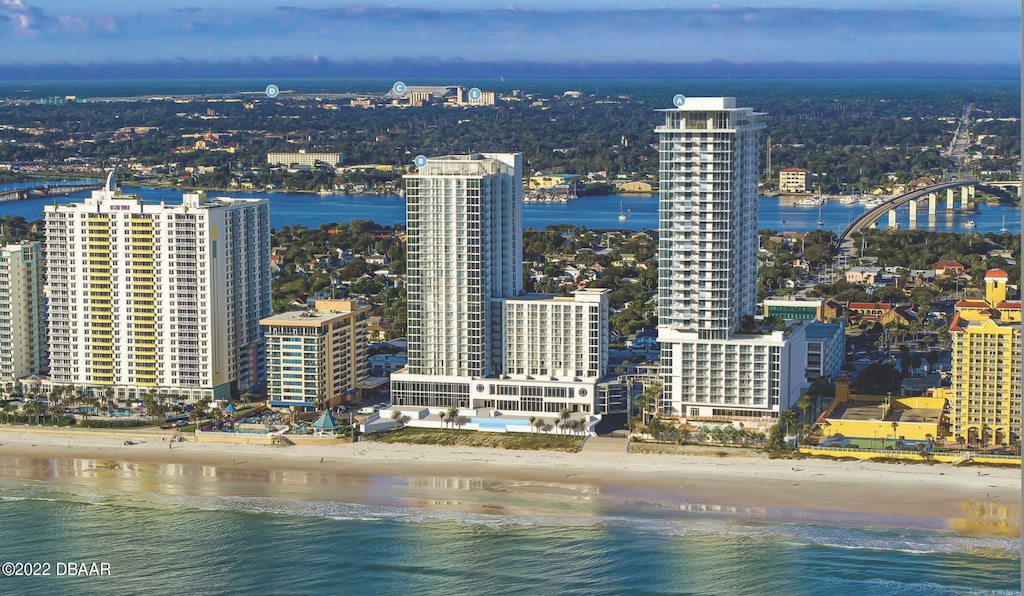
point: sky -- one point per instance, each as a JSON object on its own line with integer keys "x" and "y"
{"x": 97, "y": 32}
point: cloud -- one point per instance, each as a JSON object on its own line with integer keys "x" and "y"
{"x": 25, "y": 19}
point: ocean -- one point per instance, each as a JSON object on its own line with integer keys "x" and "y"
{"x": 592, "y": 212}
{"x": 156, "y": 537}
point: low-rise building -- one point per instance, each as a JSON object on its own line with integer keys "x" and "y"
{"x": 793, "y": 180}
{"x": 882, "y": 421}
{"x": 304, "y": 158}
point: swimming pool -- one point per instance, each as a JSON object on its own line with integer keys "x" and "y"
{"x": 498, "y": 423}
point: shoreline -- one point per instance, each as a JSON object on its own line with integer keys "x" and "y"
{"x": 975, "y": 501}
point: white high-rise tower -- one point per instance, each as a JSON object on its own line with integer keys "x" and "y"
{"x": 475, "y": 340}
{"x": 464, "y": 226}
{"x": 153, "y": 297}
{"x": 707, "y": 267}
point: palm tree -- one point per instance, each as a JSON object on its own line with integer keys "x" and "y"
{"x": 533, "y": 423}
{"x": 806, "y": 402}
{"x": 540, "y": 423}
{"x": 453, "y": 413}
{"x": 396, "y": 415}
{"x": 787, "y": 418}
{"x": 441, "y": 415}
{"x": 563, "y": 417}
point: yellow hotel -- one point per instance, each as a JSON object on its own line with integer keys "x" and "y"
{"x": 985, "y": 394}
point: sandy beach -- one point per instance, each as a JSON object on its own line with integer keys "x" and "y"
{"x": 984, "y": 501}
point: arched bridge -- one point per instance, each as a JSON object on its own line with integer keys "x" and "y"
{"x": 868, "y": 218}
{"x": 46, "y": 190}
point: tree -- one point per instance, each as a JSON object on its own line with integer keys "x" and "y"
{"x": 396, "y": 415}
{"x": 453, "y": 413}
{"x": 563, "y": 417}
{"x": 533, "y": 423}
{"x": 806, "y": 402}
{"x": 442, "y": 414}
{"x": 776, "y": 440}
{"x": 787, "y": 418}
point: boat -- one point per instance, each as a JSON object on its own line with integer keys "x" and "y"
{"x": 849, "y": 199}
{"x": 1004, "y": 229}
{"x": 812, "y": 201}
{"x": 622, "y": 216}
{"x": 821, "y": 222}
{"x": 969, "y": 223}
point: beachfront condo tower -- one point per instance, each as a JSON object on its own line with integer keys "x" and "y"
{"x": 316, "y": 357}
{"x": 22, "y": 320}
{"x": 160, "y": 298}
{"x": 714, "y": 360}
{"x": 985, "y": 391}
{"x": 475, "y": 339}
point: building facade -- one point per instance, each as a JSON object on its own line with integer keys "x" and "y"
{"x": 304, "y": 158}
{"x": 316, "y": 357}
{"x": 794, "y": 180}
{"x": 475, "y": 340}
{"x": 707, "y": 268}
{"x": 22, "y": 316}
{"x": 154, "y": 297}
{"x": 985, "y": 393}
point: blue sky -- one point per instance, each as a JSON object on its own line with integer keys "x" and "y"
{"x": 864, "y": 31}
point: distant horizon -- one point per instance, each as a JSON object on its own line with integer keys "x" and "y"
{"x": 303, "y": 68}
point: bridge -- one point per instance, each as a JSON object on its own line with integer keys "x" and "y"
{"x": 1004, "y": 184}
{"x": 869, "y": 217}
{"x": 46, "y": 190}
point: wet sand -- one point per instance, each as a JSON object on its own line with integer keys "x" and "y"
{"x": 983, "y": 501}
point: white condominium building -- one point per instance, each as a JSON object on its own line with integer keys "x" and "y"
{"x": 22, "y": 320}
{"x": 464, "y": 232}
{"x": 475, "y": 340}
{"x": 154, "y": 297}
{"x": 707, "y": 267}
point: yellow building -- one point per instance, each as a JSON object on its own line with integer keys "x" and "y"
{"x": 985, "y": 393}
{"x": 869, "y": 421}
{"x": 547, "y": 181}
{"x": 316, "y": 357}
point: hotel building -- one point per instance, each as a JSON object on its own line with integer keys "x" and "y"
{"x": 985, "y": 393}
{"x": 22, "y": 320}
{"x": 316, "y": 357}
{"x": 475, "y": 339}
{"x": 154, "y": 297}
{"x": 707, "y": 267}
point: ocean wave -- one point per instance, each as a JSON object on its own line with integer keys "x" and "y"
{"x": 820, "y": 535}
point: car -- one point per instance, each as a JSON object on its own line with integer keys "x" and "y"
{"x": 864, "y": 361}
{"x": 367, "y": 410}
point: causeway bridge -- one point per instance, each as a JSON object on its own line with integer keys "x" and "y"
{"x": 46, "y": 190}
{"x": 870, "y": 217}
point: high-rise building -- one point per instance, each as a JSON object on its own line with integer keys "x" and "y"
{"x": 22, "y": 320}
{"x": 475, "y": 339}
{"x": 317, "y": 356}
{"x": 154, "y": 297}
{"x": 985, "y": 390}
{"x": 712, "y": 364}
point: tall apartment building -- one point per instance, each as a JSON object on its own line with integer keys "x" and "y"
{"x": 475, "y": 340}
{"x": 155, "y": 297}
{"x": 707, "y": 267}
{"x": 22, "y": 317}
{"x": 316, "y": 357}
{"x": 985, "y": 393}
